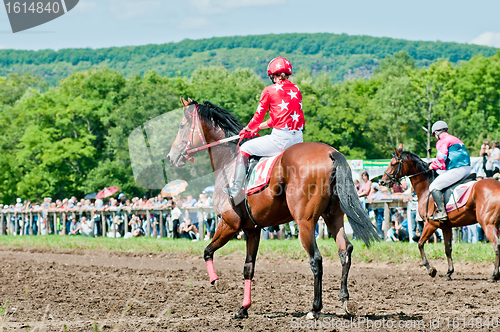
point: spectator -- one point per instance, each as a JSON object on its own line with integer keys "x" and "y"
{"x": 86, "y": 227}
{"x": 357, "y": 184}
{"x": 188, "y": 230}
{"x": 74, "y": 228}
{"x": 494, "y": 159}
{"x": 208, "y": 221}
{"x": 175, "y": 215}
{"x": 136, "y": 227}
{"x": 190, "y": 202}
{"x": 396, "y": 188}
{"x": 376, "y": 194}
{"x": 485, "y": 152}
{"x": 396, "y": 232}
{"x": 366, "y": 186}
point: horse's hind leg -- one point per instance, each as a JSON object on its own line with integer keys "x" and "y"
{"x": 253, "y": 239}
{"x": 491, "y": 235}
{"x": 427, "y": 232}
{"x": 447, "y": 236}
{"x": 222, "y": 235}
{"x": 335, "y": 224}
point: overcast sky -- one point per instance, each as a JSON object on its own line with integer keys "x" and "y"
{"x": 104, "y": 23}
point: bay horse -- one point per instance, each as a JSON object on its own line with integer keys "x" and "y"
{"x": 483, "y": 207}
{"x": 308, "y": 180}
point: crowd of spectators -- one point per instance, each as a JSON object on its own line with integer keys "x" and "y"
{"x": 126, "y": 217}
{"x": 83, "y": 216}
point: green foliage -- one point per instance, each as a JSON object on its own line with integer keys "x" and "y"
{"x": 73, "y": 138}
{"x": 340, "y": 55}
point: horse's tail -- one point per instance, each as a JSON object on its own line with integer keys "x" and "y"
{"x": 343, "y": 187}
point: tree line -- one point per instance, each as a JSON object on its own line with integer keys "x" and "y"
{"x": 338, "y": 54}
{"x": 72, "y": 138}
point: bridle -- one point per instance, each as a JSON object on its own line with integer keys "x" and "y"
{"x": 395, "y": 178}
{"x": 195, "y": 126}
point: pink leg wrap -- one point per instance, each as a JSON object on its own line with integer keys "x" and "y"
{"x": 247, "y": 301}
{"x": 211, "y": 271}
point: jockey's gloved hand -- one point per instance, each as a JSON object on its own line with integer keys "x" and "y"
{"x": 253, "y": 133}
{"x": 245, "y": 133}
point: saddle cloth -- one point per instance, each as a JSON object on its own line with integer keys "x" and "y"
{"x": 460, "y": 196}
{"x": 260, "y": 174}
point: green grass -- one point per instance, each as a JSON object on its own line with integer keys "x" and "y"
{"x": 378, "y": 252}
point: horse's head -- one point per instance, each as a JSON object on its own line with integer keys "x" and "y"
{"x": 395, "y": 169}
{"x": 189, "y": 136}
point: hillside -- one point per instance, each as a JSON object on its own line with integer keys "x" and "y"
{"x": 342, "y": 56}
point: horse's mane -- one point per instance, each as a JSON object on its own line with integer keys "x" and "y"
{"x": 421, "y": 165}
{"x": 219, "y": 117}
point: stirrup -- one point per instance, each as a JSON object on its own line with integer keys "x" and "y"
{"x": 441, "y": 218}
{"x": 229, "y": 191}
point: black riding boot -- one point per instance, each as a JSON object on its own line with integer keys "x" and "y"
{"x": 240, "y": 171}
{"x": 440, "y": 214}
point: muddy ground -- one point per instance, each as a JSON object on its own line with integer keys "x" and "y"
{"x": 75, "y": 290}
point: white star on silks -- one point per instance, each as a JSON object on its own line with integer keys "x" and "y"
{"x": 295, "y": 116}
{"x": 300, "y": 105}
{"x": 283, "y": 105}
{"x": 286, "y": 61}
{"x": 286, "y": 127}
{"x": 278, "y": 87}
{"x": 301, "y": 127}
{"x": 278, "y": 66}
{"x": 292, "y": 94}
{"x": 260, "y": 108}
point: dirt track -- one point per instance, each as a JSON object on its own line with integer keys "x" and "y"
{"x": 50, "y": 289}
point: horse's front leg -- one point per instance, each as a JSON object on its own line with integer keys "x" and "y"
{"x": 427, "y": 232}
{"x": 222, "y": 235}
{"x": 253, "y": 239}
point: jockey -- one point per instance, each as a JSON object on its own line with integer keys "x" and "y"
{"x": 284, "y": 102}
{"x": 452, "y": 163}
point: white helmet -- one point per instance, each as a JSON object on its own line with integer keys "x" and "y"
{"x": 438, "y": 126}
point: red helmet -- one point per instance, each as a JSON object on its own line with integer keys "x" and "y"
{"x": 279, "y": 65}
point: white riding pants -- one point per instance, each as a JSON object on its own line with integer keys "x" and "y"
{"x": 272, "y": 145}
{"x": 447, "y": 178}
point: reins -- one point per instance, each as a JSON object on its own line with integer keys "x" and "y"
{"x": 222, "y": 141}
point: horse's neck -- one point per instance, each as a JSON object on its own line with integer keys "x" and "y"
{"x": 420, "y": 184}
{"x": 222, "y": 159}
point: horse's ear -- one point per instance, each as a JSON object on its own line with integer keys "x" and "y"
{"x": 398, "y": 152}
{"x": 400, "y": 147}
{"x": 184, "y": 102}
{"x": 190, "y": 100}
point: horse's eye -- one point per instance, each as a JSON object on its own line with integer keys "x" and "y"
{"x": 182, "y": 125}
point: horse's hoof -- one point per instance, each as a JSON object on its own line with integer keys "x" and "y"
{"x": 312, "y": 315}
{"x": 433, "y": 272}
{"x": 350, "y": 308}
{"x": 220, "y": 286}
{"x": 447, "y": 277}
{"x": 242, "y": 313}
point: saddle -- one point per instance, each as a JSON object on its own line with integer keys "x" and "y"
{"x": 448, "y": 191}
{"x": 259, "y": 173}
